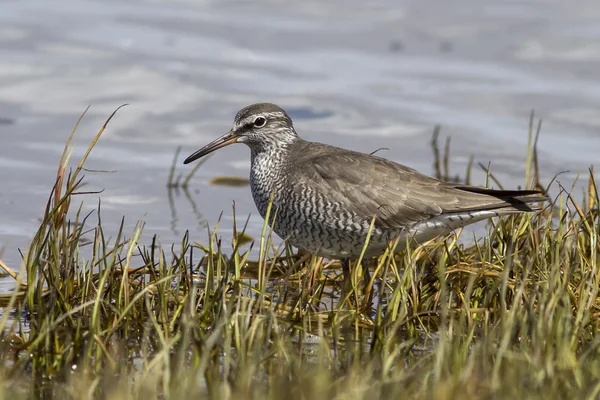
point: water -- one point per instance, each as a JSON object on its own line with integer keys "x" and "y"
{"x": 354, "y": 75}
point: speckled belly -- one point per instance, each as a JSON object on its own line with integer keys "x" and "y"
{"x": 322, "y": 239}
{"x": 328, "y": 234}
{"x": 343, "y": 235}
{"x": 310, "y": 221}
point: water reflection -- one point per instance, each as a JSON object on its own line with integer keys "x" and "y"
{"x": 352, "y": 74}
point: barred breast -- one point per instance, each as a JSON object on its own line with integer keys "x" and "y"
{"x": 308, "y": 220}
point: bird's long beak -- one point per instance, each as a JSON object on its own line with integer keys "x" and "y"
{"x": 225, "y": 140}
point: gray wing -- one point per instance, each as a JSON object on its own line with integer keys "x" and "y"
{"x": 395, "y": 194}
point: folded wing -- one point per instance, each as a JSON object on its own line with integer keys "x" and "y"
{"x": 397, "y": 195}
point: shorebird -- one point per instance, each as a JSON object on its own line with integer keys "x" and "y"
{"x": 325, "y": 198}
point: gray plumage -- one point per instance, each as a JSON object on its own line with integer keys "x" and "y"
{"x": 325, "y": 197}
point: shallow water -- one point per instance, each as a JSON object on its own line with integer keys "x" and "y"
{"x": 357, "y": 76}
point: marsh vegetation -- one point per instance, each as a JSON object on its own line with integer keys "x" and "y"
{"x": 513, "y": 314}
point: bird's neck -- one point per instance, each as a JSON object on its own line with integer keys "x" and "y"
{"x": 269, "y": 157}
{"x": 273, "y": 149}
{"x": 267, "y": 173}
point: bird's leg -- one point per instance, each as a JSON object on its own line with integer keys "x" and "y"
{"x": 366, "y": 273}
{"x": 347, "y": 274}
{"x": 349, "y": 288}
{"x": 314, "y": 273}
{"x": 368, "y": 289}
{"x": 346, "y": 269}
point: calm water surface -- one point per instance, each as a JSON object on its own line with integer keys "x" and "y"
{"x": 352, "y": 75}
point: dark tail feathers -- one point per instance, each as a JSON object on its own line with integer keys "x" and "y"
{"x": 517, "y": 199}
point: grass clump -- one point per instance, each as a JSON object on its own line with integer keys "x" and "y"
{"x": 514, "y": 315}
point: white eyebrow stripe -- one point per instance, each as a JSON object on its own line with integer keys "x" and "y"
{"x": 267, "y": 115}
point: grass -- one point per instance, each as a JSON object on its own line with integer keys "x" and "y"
{"x": 514, "y": 315}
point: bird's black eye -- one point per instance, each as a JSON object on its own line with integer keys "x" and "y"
{"x": 259, "y": 122}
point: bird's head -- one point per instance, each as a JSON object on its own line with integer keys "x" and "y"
{"x": 260, "y": 126}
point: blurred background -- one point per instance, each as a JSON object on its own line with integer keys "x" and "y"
{"x": 356, "y": 74}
